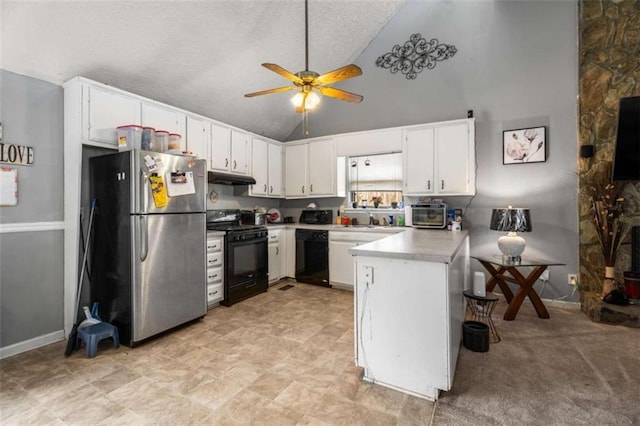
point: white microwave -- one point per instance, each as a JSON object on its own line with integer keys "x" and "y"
{"x": 429, "y": 215}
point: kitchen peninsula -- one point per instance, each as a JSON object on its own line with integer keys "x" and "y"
{"x": 409, "y": 309}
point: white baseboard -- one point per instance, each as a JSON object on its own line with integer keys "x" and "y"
{"x": 27, "y": 345}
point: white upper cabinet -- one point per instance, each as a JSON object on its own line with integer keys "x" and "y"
{"x": 240, "y": 152}
{"x": 454, "y": 165}
{"x": 275, "y": 169}
{"x": 104, "y": 111}
{"x": 220, "y": 152}
{"x": 440, "y": 159}
{"x": 312, "y": 169}
{"x": 165, "y": 118}
{"x": 229, "y": 150}
{"x": 418, "y": 166}
{"x": 260, "y": 162}
{"x": 295, "y": 173}
{"x": 322, "y": 168}
{"x": 197, "y": 137}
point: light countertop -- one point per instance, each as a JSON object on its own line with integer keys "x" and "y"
{"x": 416, "y": 244}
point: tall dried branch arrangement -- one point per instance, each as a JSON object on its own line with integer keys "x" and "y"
{"x": 607, "y": 214}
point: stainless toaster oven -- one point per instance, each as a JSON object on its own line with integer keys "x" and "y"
{"x": 429, "y": 215}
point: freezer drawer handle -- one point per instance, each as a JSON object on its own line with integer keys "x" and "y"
{"x": 144, "y": 238}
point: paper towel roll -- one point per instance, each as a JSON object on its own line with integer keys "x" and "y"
{"x": 479, "y": 286}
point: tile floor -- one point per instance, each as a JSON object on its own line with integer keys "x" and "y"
{"x": 280, "y": 358}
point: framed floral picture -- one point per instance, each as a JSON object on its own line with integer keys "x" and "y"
{"x": 524, "y": 145}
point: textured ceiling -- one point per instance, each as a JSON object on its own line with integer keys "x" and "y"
{"x": 201, "y": 56}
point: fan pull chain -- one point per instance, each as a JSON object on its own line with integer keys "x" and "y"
{"x": 305, "y": 122}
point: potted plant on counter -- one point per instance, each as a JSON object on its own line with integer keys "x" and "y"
{"x": 376, "y": 201}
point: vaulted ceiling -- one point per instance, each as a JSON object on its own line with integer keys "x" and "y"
{"x": 202, "y": 56}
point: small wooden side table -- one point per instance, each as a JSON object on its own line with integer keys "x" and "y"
{"x": 499, "y": 269}
{"x": 481, "y": 308}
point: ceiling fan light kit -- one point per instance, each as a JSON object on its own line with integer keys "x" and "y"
{"x": 310, "y": 84}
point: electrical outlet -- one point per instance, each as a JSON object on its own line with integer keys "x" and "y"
{"x": 544, "y": 276}
{"x": 572, "y": 279}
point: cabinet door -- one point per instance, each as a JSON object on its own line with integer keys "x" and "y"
{"x": 295, "y": 170}
{"x": 322, "y": 168}
{"x": 106, "y": 111}
{"x": 260, "y": 164}
{"x": 290, "y": 253}
{"x": 275, "y": 169}
{"x": 452, "y": 158}
{"x": 239, "y": 152}
{"x": 418, "y": 164}
{"x": 220, "y": 154}
{"x": 341, "y": 263}
{"x": 167, "y": 119}
{"x": 197, "y": 137}
{"x": 274, "y": 262}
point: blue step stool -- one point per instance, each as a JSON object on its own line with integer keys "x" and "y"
{"x": 96, "y": 332}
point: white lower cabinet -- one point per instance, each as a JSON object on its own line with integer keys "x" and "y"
{"x": 290, "y": 253}
{"x": 409, "y": 317}
{"x": 275, "y": 256}
{"x": 341, "y": 272}
{"x": 215, "y": 267}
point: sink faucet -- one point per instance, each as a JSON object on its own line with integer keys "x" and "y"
{"x": 370, "y": 218}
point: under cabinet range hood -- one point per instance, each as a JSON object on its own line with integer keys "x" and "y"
{"x": 229, "y": 179}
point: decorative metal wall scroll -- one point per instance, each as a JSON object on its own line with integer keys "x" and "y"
{"x": 415, "y": 55}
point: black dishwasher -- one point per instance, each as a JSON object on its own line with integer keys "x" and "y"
{"x": 312, "y": 257}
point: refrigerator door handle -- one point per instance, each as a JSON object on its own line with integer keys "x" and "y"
{"x": 144, "y": 191}
{"x": 144, "y": 238}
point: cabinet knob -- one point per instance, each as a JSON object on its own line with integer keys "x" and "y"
{"x": 235, "y": 164}
{"x": 429, "y": 184}
{"x": 442, "y": 185}
{"x": 311, "y": 188}
{"x": 303, "y": 189}
{"x": 271, "y": 189}
{"x": 226, "y": 162}
{"x": 265, "y": 187}
{"x": 277, "y": 251}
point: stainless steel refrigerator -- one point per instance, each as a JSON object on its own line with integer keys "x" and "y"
{"x": 148, "y": 259}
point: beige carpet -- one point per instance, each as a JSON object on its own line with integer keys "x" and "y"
{"x": 565, "y": 370}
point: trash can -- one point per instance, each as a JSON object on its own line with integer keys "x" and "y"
{"x": 475, "y": 336}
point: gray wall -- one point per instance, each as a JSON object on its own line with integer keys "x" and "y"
{"x": 31, "y": 276}
{"x": 516, "y": 66}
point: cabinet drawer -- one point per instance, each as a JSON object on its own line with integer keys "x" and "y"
{"x": 215, "y": 293}
{"x": 214, "y": 275}
{"x": 214, "y": 259}
{"x": 274, "y": 237}
{"x": 214, "y": 244}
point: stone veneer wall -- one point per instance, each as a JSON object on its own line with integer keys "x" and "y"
{"x": 609, "y": 67}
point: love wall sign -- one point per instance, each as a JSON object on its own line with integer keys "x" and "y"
{"x": 15, "y": 154}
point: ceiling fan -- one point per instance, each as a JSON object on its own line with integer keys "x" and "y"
{"x": 309, "y": 82}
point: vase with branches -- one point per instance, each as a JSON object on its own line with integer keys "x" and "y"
{"x": 611, "y": 229}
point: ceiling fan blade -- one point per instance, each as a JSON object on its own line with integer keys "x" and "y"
{"x": 286, "y": 74}
{"x": 348, "y": 71}
{"x": 266, "y": 92}
{"x": 340, "y": 94}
